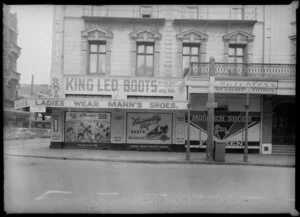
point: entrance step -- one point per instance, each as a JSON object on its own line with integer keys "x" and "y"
{"x": 284, "y": 149}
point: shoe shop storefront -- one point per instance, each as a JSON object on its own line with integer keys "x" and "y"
{"x": 113, "y": 113}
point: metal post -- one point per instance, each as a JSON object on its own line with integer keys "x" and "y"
{"x": 188, "y": 127}
{"x": 246, "y": 129}
{"x": 210, "y": 116}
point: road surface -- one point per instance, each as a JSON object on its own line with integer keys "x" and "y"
{"x": 69, "y": 186}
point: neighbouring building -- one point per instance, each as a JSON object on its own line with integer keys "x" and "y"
{"x": 11, "y": 76}
{"x": 118, "y": 82}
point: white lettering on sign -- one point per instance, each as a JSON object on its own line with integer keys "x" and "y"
{"x": 21, "y": 104}
{"x": 259, "y": 87}
{"x": 86, "y": 103}
{"x": 123, "y": 85}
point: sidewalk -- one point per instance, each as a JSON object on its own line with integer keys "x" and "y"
{"x": 40, "y": 148}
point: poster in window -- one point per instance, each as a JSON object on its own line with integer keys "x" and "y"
{"x": 152, "y": 128}
{"x": 88, "y": 127}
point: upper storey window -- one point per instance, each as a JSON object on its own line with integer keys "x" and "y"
{"x": 97, "y": 54}
{"x": 190, "y": 53}
{"x": 146, "y": 11}
{"x": 145, "y": 59}
{"x": 236, "y": 53}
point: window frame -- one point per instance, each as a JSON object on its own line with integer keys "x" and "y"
{"x": 98, "y": 53}
{"x": 190, "y": 55}
{"x": 235, "y": 47}
{"x": 145, "y": 54}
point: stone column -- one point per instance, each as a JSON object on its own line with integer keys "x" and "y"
{"x": 179, "y": 59}
{"x": 133, "y": 58}
{"x": 84, "y": 57}
{"x": 226, "y": 50}
{"x": 108, "y": 58}
{"x": 157, "y": 59}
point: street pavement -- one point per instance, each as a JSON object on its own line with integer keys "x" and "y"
{"x": 40, "y": 148}
{"x": 38, "y": 185}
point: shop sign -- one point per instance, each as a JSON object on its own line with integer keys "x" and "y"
{"x": 95, "y": 103}
{"x": 122, "y": 85}
{"x": 152, "y": 128}
{"x": 229, "y": 127}
{"x": 253, "y": 87}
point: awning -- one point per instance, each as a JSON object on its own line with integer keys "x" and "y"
{"x": 100, "y": 103}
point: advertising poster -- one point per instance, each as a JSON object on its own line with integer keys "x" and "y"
{"x": 88, "y": 127}
{"x": 229, "y": 127}
{"x": 149, "y": 128}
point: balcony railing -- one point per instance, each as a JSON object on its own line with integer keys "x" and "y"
{"x": 252, "y": 70}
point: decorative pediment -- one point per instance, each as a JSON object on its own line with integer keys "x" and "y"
{"x": 238, "y": 36}
{"x": 145, "y": 35}
{"x": 192, "y": 35}
{"x": 97, "y": 34}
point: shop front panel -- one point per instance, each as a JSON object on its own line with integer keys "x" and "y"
{"x": 88, "y": 127}
{"x": 149, "y": 128}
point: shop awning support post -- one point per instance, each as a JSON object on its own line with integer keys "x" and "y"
{"x": 188, "y": 125}
{"x": 246, "y": 128}
{"x": 210, "y": 106}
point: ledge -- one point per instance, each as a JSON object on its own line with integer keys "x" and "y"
{"x": 123, "y": 19}
{"x": 211, "y": 21}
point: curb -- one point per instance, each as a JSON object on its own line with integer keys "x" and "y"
{"x": 151, "y": 161}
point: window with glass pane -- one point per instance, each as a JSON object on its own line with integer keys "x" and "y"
{"x": 236, "y": 54}
{"x": 97, "y": 54}
{"x": 145, "y": 59}
{"x": 190, "y": 53}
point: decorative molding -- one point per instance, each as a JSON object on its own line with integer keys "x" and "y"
{"x": 145, "y": 35}
{"x": 238, "y": 36}
{"x": 96, "y": 34}
{"x": 192, "y": 36}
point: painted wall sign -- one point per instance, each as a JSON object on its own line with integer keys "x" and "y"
{"x": 90, "y": 127}
{"x": 254, "y": 87}
{"x": 229, "y": 127}
{"x": 104, "y": 103}
{"x": 133, "y": 86}
{"x": 153, "y": 128}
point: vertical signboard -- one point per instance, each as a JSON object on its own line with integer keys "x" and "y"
{"x": 57, "y": 123}
{"x": 149, "y": 128}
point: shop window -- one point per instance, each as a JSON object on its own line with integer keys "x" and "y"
{"x": 89, "y": 127}
{"x": 146, "y": 11}
{"x": 97, "y": 55}
{"x": 190, "y": 53}
{"x": 145, "y": 59}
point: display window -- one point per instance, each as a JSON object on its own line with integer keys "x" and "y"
{"x": 89, "y": 127}
{"x": 149, "y": 128}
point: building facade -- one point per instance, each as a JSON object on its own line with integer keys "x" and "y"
{"x": 121, "y": 75}
{"x": 11, "y": 76}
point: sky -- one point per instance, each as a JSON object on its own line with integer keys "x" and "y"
{"x": 35, "y": 39}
